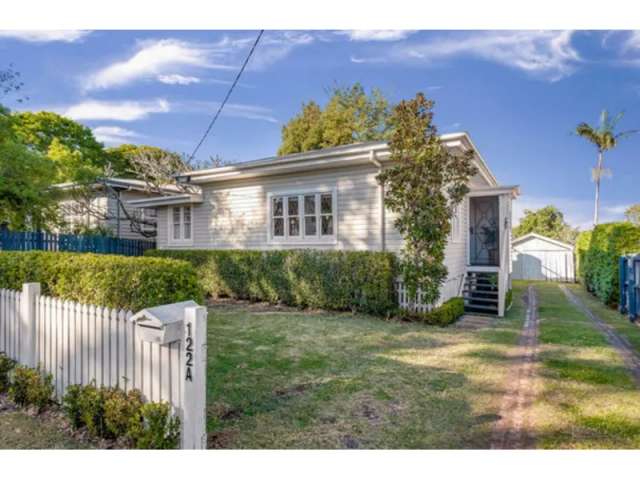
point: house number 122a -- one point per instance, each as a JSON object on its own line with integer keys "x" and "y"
{"x": 189, "y": 354}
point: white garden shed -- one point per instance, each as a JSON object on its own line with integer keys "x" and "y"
{"x": 536, "y": 257}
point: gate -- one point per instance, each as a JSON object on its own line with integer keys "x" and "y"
{"x": 630, "y": 286}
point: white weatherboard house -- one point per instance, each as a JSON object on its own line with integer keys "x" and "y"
{"x": 330, "y": 199}
{"x": 536, "y": 257}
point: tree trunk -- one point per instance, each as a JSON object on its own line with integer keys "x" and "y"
{"x": 598, "y": 175}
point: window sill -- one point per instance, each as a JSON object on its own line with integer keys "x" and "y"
{"x": 180, "y": 244}
{"x": 285, "y": 243}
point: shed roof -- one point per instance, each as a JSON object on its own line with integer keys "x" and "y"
{"x": 530, "y": 236}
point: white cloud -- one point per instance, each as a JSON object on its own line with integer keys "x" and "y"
{"x": 152, "y": 59}
{"x": 376, "y": 35}
{"x": 237, "y": 110}
{"x": 275, "y": 46}
{"x": 177, "y": 79}
{"x": 122, "y": 110}
{"x": 632, "y": 42}
{"x": 113, "y": 135}
{"x": 547, "y": 54}
{"x": 578, "y": 213}
{"x": 43, "y": 36}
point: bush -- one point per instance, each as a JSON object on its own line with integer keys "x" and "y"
{"x": 31, "y": 387}
{"x": 598, "y": 257}
{"x": 582, "y": 245}
{"x": 357, "y": 281}
{"x": 91, "y": 409}
{"x": 120, "y": 410}
{"x": 6, "y": 366}
{"x": 443, "y": 315}
{"x": 71, "y": 405}
{"x": 108, "y": 280}
{"x": 156, "y": 428}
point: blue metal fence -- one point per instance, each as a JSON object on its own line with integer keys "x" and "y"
{"x": 59, "y": 242}
{"x": 630, "y": 286}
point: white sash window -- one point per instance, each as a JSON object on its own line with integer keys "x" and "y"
{"x": 180, "y": 225}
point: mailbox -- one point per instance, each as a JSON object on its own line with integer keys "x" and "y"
{"x": 163, "y": 324}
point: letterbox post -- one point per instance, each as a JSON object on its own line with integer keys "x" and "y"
{"x": 194, "y": 378}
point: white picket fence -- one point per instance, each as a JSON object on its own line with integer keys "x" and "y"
{"x": 452, "y": 287}
{"x": 80, "y": 344}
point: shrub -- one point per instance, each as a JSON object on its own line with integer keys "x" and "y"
{"x": 443, "y": 315}
{"x": 120, "y": 410}
{"x": 31, "y": 387}
{"x": 108, "y": 280}
{"x": 582, "y": 245}
{"x": 6, "y": 365}
{"x": 599, "y": 254}
{"x": 156, "y": 428}
{"x": 91, "y": 409}
{"x": 335, "y": 280}
{"x": 71, "y": 405}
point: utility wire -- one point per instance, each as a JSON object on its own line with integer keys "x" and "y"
{"x": 233, "y": 85}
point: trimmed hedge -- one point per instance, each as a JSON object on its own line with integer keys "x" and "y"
{"x": 334, "y": 280}
{"x": 443, "y": 315}
{"x": 598, "y": 254}
{"x": 107, "y": 280}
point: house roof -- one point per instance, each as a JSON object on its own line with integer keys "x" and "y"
{"x": 532, "y": 235}
{"x": 118, "y": 183}
{"x": 346, "y": 155}
{"x": 158, "y": 201}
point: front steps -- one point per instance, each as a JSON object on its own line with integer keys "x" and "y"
{"x": 480, "y": 293}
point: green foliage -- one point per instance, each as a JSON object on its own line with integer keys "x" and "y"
{"x": 547, "y": 221}
{"x": 443, "y": 315}
{"x": 508, "y": 299}
{"x": 598, "y": 262}
{"x": 583, "y": 241}
{"x": 350, "y": 116}
{"x": 423, "y": 187}
{"x": 112, "y": 413}
{"x": 357, "y": 281}
{"x": 25, "y": 176}
{"x": 108, "y": 280}
{"x": 155, "y": 428}
{"x": 31, "y": 387}
{"x": 632, "y": 214}
{"x": 71, "y": 146}
{"x": 120, "y": 410}
{"x": 6, "y": 366}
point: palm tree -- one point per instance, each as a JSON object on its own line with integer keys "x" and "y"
{"x": 604, "y": 138}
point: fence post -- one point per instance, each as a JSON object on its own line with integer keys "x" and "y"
{"x": 27, "y": 354}
{"x": 194, "y": 379}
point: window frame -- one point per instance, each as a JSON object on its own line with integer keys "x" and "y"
{"x": 458, "y": 223}
{"x": 302, "y": 238}
{"x": 181, "y": 240}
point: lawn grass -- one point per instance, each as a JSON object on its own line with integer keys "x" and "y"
{"x": 615, "y": 319}
{"x": 587, "y": 397}
{"x": 291, "y": 379}
{"x": 19, "y": 430}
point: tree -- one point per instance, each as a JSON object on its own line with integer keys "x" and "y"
{"x": 26, "y": 202}
{"x": 423, "y": 187}
{"x": 78, "y": 156}
{"x": 632, "y": 214}
{"x": 605, "y": 138}
{"x": 350, "y": 116}
{"x": 547, "y": 221}
{"x": 10, "y": 83}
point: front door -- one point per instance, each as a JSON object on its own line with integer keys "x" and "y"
{"x": 484, "y": 231}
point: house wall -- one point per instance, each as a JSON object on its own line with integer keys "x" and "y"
{"x": 125, "y": 225}
{"x": 234, "y": 215}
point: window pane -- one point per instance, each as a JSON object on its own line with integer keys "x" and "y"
{"x": 278, "y": 227}
{"x": 187, "y": 215}
{"x": 277, "y": 207}
{"x": 294, "y": 226}
{"x": 325, "y": 203}
{"x": 327, "y": 225}
{"x": 176, "y": 214}
{"x": 292, "y": 203}
{"x": 310, "y": 227}
{"x": 310, "y": 205}
{"x": 187, "y": 231}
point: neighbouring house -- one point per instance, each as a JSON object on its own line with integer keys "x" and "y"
{"x": 103, "y": 207}
{"x": 330, "y": 199}
{"x": 536, "y": 257}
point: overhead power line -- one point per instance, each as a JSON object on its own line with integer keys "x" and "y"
{"x": 233, "y": 85}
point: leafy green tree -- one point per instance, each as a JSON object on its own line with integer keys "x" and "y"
{"x": 632, "y": 214}
{"x": 423, "y": 187}
{"x": 26, "y": 202}
{"x": 547, "y": 221}
{"x": 605, "y": 138}
{"x": 78, "y": 156}
{"x": 350, "y": 116}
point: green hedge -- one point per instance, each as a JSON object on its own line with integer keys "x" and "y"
{"x": 598, "y": 256}
{"x": 444, "y": 315}
{"x": 582, "y": 245}
{"x": 108, "y": 280}
{"x": 357, "y": 281}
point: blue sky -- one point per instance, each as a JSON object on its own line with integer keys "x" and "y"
{"x": 518, "y": 93}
